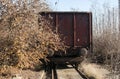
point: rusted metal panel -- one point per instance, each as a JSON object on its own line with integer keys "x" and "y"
{"x": 82, "y": 30}
{"x": 65, "y": 27}
{"x": 75, "y": 28}
{"x": 90, "y": 32}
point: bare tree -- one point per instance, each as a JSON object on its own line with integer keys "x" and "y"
{"x": 119, "y": 14}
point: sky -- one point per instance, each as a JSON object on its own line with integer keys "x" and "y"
{"x": 79, "y": 5}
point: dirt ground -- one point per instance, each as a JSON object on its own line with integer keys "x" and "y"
{"x": 26, "y": 74}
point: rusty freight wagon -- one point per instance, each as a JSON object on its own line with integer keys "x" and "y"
{"x": 76, "y": 32}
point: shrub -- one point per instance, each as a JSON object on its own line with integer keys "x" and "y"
{"x": 24, "y": 40}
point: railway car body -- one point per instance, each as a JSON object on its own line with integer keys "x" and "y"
{"x": 75, "y": 29}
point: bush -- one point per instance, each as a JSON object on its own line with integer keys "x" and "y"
{"x": 106, "y": 37}
{"x": 24, "y": 40}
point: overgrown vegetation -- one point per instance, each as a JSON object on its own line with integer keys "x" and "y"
{"x": 106, "y": 39}
{"x": 24, "y": 40}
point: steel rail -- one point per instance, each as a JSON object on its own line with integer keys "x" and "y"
{"x": 80, "y": 73}
{"x": 52, "y": 73}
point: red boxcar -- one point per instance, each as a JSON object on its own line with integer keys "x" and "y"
{"x": 76, "y": 31}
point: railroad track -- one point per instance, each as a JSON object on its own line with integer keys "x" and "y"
{"x": 80, "y": 73}
{"x": 63, "y": 72}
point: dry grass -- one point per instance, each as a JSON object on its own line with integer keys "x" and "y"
{"x": 94, "y": 71}
{"x": 8, "y": 71}
{"x": 107, "y": 53}
{"x": 106, "y": 40}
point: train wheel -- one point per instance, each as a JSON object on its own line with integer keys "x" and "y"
{"x": 83, "y": 52}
